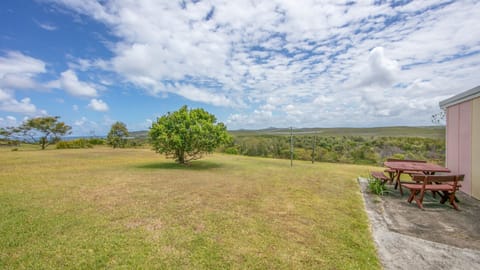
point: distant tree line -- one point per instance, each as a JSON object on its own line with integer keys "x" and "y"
{"x": 344, "y": 149}
{"x": 48, "y": 130}
{"x": 188, "y": 134}
{"x": 41, "y": 130}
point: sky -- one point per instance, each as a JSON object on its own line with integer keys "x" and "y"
{"x": 254, "y": 64}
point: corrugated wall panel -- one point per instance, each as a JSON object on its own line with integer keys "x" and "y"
{"x": 465, "y": 145}
{"x": 452, "y": 138}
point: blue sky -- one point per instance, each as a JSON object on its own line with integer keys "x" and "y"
{"x": 254, "y": 64}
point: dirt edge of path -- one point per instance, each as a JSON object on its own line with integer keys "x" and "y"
{"x": 399, "y": 251}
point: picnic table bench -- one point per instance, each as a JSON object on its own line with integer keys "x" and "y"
{"x": 412, "y": 168}
{"x": 393, "y": 173}
{"x": 445, "y": 185}
{"x": 380, "y": 176}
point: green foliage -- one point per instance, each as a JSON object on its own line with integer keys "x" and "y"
{"x": 117, "y": 137}
{"x": 96, "y": 141}
{"x": 437, "y": 132}
{"x": 187, "y": 134}
{"x": 231, "y": 150}
{"x": 345, "y": 149}
{"x": 376, "y": 186}
{"x": 42, "y": 130}
{"x": 74, "y": 144}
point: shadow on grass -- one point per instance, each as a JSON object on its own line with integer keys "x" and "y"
{"x": 194, "y": 165}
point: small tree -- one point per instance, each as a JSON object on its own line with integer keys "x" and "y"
{"x": 186, "y": 135}
{"x": 439, "y": 118}
{"x": 117, "y": 137}
{"x": 42, "y": 130}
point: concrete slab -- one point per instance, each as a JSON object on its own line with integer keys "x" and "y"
{"x": 438, "y": 237}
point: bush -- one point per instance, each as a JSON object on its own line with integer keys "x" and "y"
{"x": 74, "y": 144}
{"x": 96, "y": 141}
{"x": 231, "y": 151}
{"x": 134, "y": 143}
{"x": 376, "y": 186}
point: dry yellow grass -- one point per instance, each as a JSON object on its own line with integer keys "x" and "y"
{"x": 100, "y": 208}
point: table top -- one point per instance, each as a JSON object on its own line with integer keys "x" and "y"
{"x": 415, "y": 166}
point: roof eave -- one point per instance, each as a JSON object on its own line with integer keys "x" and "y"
{"x": 462, "y": 97}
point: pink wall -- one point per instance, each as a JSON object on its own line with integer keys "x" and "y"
{"x": 459, "y": 142}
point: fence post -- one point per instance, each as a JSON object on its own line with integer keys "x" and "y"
{"x": 313, "y": 148}
{"x": 291, "y": 146}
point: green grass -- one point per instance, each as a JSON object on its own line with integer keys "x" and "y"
{"x": 130, "y": 208}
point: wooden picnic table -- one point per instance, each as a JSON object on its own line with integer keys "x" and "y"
{"x": 408, "y": 166}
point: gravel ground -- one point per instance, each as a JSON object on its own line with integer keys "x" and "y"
{"x": 438, "y": 237}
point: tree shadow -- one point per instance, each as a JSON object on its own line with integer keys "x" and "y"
{"x": 197, "y": 165}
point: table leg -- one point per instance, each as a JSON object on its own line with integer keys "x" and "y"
{"x": 397, "y": 182}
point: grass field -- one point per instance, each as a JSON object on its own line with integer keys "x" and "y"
{"x": 130, "y": 208}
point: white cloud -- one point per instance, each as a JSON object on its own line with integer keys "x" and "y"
{"x": 17, "y": 63}
{"x": 47, "y": 26}
{"x": 98, "y": 105}
{"x": 319, "y": 63}
{"x": 71, "y": 84}
{"x": 87, "y": 127}
{"x": 83, "y": 121}
{"x": 4, "y": 95}
{"x": 322, "y": 100}
{"x": 382, "y": 71}
{"x": 18, "y": 71}
{"x": 75, "y": 107}
{"x": 8, "y": 121}
{"x": 8, "y": 103}
{"x": 148, "y": 123}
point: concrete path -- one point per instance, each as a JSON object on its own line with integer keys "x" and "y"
{"x": 410, "y": 238}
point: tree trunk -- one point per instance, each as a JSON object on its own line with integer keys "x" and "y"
{"x": 43, "y": 142}
{"x": 181, "y": 156}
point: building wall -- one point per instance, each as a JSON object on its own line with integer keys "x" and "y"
{"x": 459, "y": 142}
{"x": 476, "y": 148}
{"x": 452, "y": 138}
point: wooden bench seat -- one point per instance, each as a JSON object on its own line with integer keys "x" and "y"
{"x": 380, "y": 176}
{"x": 445, "y": 185}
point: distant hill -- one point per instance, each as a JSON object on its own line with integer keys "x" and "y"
{"x": 424, "y": 132}
{"x": 139, "y": 134}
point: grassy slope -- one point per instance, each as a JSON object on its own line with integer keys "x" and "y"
{"x": 103, "y": 208}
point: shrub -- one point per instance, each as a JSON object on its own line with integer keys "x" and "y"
{"x": 231, "y": 150}
{"x": 96, "y": 141}
{"x": 136, "y": 142}
{"x": 74, "y": 144}
{"x": 376, "y": 186}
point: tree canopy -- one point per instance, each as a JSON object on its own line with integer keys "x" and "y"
{"x": 117, "y": 137}
{"x": 43, "y": 130}
{"x": 187, "y": 135}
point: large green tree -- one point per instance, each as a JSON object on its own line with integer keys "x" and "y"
{"x": 186, "y": 135}
{"x": 117, "y": 137}
{"x": 42, "y": 130}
